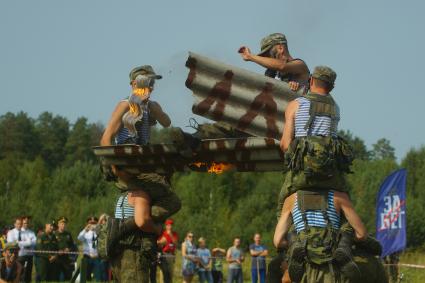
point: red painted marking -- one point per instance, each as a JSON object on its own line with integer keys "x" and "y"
{"x": 219, "y": 94}
{"x": 263, "y": 100}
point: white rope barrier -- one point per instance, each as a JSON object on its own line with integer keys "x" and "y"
{"x": 211, "y": 257}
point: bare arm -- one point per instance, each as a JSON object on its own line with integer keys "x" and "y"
{"x": 289, "y": 129}
{"x": 229, "y": 257}
{"x": 159, "y": 114}
{"x": 142, "y": 211}
{"x": 353, "y": 218}
{"x": 184, "y": 250}
{"x": 114, "y": 123}
{"x": 264, "y": 253}
{"x": 281, "y": 64}
{"x": 284, "y": 223}
{"x": 254, "y": 252}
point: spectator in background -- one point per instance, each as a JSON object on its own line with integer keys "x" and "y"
{"x": 10, "y": 268}
{"x": 27, "y": 242}
{"x": 217, "y": 264}
{"x": 258, "y": 260}
{"x": 189, "y": 258}
{"x": 204, "y": 263}
{"x": 14, "y": 235}
{"x": 90, "y": 262}
{"x": 47, "y": 265}
{"x": 168, "y": 243}
{"x": 235, "y": 258}
{"x": 104, "y": 268}
{"x": 66, "y": 244}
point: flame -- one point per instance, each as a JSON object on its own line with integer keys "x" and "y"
{"x": 216, "y": 168}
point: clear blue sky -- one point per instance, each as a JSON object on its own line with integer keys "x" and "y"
{"x": 73, "y": 57}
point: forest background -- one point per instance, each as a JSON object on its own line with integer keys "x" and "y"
{"x": 48, "y": 169}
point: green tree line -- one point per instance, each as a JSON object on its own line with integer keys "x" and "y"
{"x": 48, "y": 169}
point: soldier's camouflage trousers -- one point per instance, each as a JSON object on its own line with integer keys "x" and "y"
{"x": 164, "y": 201}
{"x": 371, "y": 269}
{"x": 324, "y": 273}
{"x": 297, "y": 181}
{"x": 133, "y": 263}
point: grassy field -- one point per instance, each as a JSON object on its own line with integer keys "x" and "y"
{"x": 413, "y": 275}
{"x": 410, "y": 275}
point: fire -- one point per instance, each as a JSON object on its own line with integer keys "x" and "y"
{"x": 216, "y": 168}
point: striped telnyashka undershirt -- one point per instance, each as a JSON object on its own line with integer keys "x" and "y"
{"x": 143, "y": 131}
{"x": 123, "y": 207}
{"x": 315, "y": 218}
{"x": 321, "y": 125}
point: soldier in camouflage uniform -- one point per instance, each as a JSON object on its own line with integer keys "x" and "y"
{"x": 275, "y": 57}
{"x": 48, "y": 266}
{"x": 317, "y": 158}
{"x": 316, "y": 216}
{"x": 65, "y": 262}
{"x": 149, "y": 195}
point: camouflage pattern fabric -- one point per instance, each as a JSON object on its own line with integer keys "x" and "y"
{"x": 371, "y": 269}
{"x": 48, "y": 270}
{"x": 143, "y": 70}
{"x": 297, "y": 181}
{"x": 271, "y": 40}
{"x": 164, "y": 201}
{"x": 308, "y": 156}
{"x": 321, "y": 274}
{"x": 325, "y": 74}
{"x": 139, "y": 249}
{"x": 64, "y": 262}
{"x": 133, "y": 264}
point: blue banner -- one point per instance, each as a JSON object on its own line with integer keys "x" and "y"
{"x": 391, "y": 213}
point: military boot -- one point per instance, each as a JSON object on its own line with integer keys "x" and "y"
{"x": 344, "y": 257}
{"x": 296, "y": 261}
{"x": 185, "y": 143}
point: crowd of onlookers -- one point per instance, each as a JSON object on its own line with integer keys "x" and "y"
{"x": 51, "y": 250}
{"x": 208, "y": 264}
{"x": 53, "y": 253}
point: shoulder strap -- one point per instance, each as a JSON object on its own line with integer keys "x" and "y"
{"x": 321, "y": 105}
{"x": 124, "y": 195}
{"x": 312, "y": 200}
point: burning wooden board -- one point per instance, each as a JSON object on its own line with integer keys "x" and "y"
{"x": 212, "y": 155}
